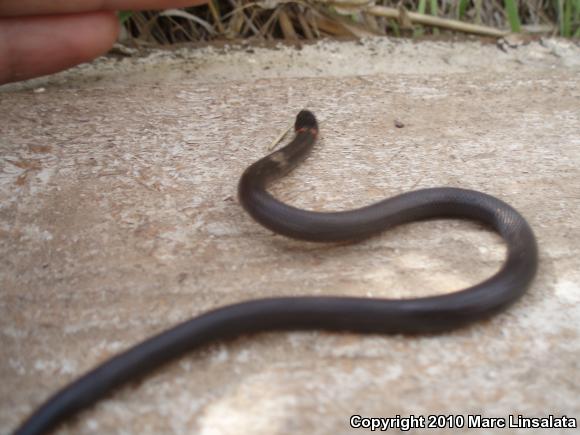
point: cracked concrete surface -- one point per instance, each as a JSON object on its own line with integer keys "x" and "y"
{"x": 118, "y": 219}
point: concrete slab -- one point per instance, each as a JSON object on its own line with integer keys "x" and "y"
{"x": 118, "y": 219}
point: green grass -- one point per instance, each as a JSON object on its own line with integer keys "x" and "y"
{"x": 461, "y": 8}
{"x": 511, "y": 9}
{"x": 434, "y": 11}
{"x": 421, "y": 9}
{"x": 569, "y": 17}
{"x": 124, "y": 16}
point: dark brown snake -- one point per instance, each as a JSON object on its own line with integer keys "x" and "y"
{"x": 363, "y": 315}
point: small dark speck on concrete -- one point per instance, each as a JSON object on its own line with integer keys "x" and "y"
{"x": 399, "y": 124}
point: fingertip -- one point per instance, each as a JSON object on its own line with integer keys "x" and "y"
{"x": 88, "y": 36}
{"x": 36, "y": 46}
{"x": 108, "y": 23}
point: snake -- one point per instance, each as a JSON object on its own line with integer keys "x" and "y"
{"x": 429, "y": 314}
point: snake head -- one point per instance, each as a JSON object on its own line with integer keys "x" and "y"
{"x": 305, "y": 120}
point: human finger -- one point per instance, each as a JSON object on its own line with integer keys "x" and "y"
{"x": 11, "y": 8}
{"x": 35, "y": 46}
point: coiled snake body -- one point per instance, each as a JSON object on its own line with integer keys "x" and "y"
{"x": 365, "y": 315}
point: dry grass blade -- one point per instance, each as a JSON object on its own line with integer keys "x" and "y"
{"x": 270, "y": 23}
{"x": 182, "y": 14}
{"x": 346, "y": 3}
{"x": 330, "y": 26}
{"x": 235, "y": 24}
{"x": 213, "y": 8}
{"x": 308, "y": 34}
{"x": 248, "y": 24}
{"x": 280, "y": 137}
{"x": 373, "y": 24}
{"x": 405, "y": 22}
{"x": 286, "y": 26}
{"x": 443, "y": 23}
